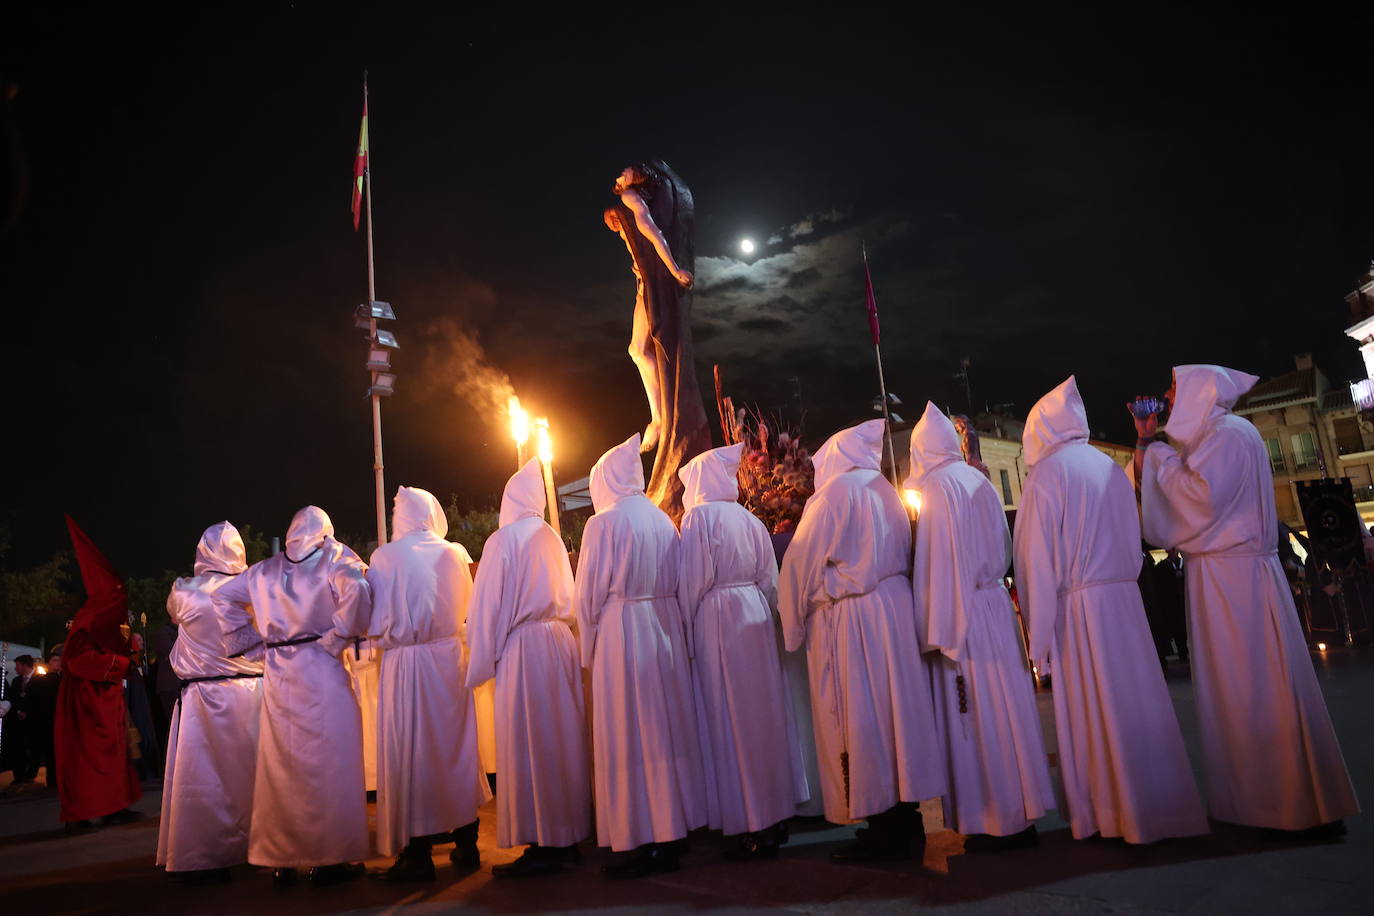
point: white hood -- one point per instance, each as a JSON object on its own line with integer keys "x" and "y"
{"x": 524, "y": 495}
{"x": 617, "y": 473}
{"x": 1056, "y": 419}
{"x": 414, "y": 510}
{"x": 1203, "y": 394}
{"x": 220, "y": 550}
{"x": 859, "y": 447}
{"x": 934, "y": 443}
{"x": 308, "y": 530}
{"x": 712, "y": 476}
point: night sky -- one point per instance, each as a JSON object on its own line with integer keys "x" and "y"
{"x": 1102, "y": 193}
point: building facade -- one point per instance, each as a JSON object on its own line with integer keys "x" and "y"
{"x": 1311, "y": 430}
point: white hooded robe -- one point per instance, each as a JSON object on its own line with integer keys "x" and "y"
{"x": 207, "y": 790}
{"x": 646, "y": 760}
{"x": 1077, "y": 547}
{"x": 999, "y": 778}
{"x": 1270, "y": 752}
{"x": 309, "y": 805}
{"x": 363, "y": 661}
{"x": 727, "y": 590}
{"x": 845, "y": 593}
{"x": 429, "y": 776}
{"x": 520, "y": 634}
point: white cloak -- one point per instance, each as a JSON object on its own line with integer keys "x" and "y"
{"x": 309, "y": 805}
{"x": 1270, "y": 752}
{"x": 207, "y": 789}
{"x": 1077, "y": 546}
{"x": 363, "y": 661}
{"x": 727, "y": 589}
{"x": 845, "y": 593}
{"x": 999, "y": 778}
{"x": 646, "y": 760}
{"x": 429, "y": 777}
{"x": 520, "y": 634}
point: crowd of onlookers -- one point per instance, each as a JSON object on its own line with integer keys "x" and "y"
{"x": 29, "y": 708}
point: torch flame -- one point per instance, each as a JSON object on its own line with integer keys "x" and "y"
{"x": 544, "y": 440}
{"x": 519, "y": 421}
{"x": 913, "y": 500}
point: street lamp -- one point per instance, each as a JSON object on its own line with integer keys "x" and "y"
{"x": 380, "y": 343}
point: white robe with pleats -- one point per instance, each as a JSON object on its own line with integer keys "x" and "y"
{"x": 999, "y": 779}
{"x": 429, "y": 777}
{"x": 646, "y": 759}
{"x": 1271, "y": 754}
{"x": 520, "y": 633}
{"x": 1077, "y": 548}
{"x": 727, "y": 590}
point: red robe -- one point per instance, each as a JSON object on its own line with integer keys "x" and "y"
{"x": 95, "y": 776}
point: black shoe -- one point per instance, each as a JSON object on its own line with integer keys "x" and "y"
{"x": 284, "y": 877}
{"x": 328, "y": 875}
{"x": 123, "y": 816}
{"x": 984, "y": 842}
{"x": 201, "y": 877}
{"x": 1322, "y": 833}
{"x": 534, "y": 861}
{"x": 568, "y": 855}
{"x": 652, "y": 859}
{"x": 74, "y": 828}
{"x": 753, "y": 846}
{"x": 465, "y": 856}
{"x": 410, "y": 865}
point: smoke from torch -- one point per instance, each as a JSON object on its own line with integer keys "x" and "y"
{"x": 454, "y": 360}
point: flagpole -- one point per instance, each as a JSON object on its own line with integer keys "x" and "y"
{"x": 887, "y": 418}
{"x": 377, "y": 466}
{"x": 882, "y": 382}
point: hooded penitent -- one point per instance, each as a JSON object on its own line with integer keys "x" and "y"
{"x": 1077, "y": 547}
{"x": 1202, "y": 395}
{"x": 844, "y": 593}
{"x": 859, "y": 447}
{"x": 617, "y": 474}
{"x": 90, "y": 737}
{"x": 712, "y": 476}
{"x": 524, "y": 495}
{"x": 647, "y": 762}
{"x": 207, "y": 790}
{"x": 429, "y": 774}
{"x": 304, "y": 607}
{"x": 1258, "y": 698}
{"x": 220, "y": 551}
{"x": 934, "y": 444}
{"x": 310, "y": 527}
{"x": 998, "y": 779}
{"x": 727, "y": 590}
{"x": 417, "y": 510}
{"x": 519, "y": 631}
{"x": 1056, "y": 420}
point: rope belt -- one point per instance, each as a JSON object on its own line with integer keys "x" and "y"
{"x": 616, "y": 597}
{"x": 1101, "y": 582}
{"x": 299, "y": 640}
{"x": 218, "y": 677}
{"x": 1230, "y": 555}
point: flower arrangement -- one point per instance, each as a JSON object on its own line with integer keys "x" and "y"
{"x": 775, "y": 472}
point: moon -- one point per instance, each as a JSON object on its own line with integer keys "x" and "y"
{"x": 746, "y": 246}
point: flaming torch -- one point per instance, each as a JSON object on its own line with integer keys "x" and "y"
{"x": 519, "y": 428}
{"x": 544, "y": 445}
{"x": 913, "y": 502}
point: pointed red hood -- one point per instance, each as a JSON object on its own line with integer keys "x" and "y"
{"x": 107, "y": 604}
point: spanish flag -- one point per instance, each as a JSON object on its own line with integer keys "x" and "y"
{"x": 360, "y": 165}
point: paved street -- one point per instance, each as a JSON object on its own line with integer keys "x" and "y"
{"x": 1230, "y": 871}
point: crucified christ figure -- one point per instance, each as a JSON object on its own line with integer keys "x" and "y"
{"x": 654, "y": 216}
